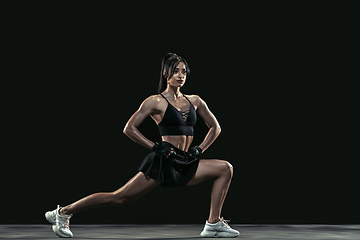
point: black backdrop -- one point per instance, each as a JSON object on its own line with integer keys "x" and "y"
{"x": 75, "y": 85}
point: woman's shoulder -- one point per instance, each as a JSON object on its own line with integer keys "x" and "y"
{"x": 194, "y": 99}
{"x": 193, "y": 96}
{"x": 154, "y": 100}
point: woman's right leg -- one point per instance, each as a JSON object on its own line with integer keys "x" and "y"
{"x": 132, "y": 190}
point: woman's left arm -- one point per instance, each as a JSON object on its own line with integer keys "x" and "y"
{"x": 211, "y": 122}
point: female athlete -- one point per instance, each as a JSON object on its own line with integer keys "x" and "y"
{"x": 173, "y": 162}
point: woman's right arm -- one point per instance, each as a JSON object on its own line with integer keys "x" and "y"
{"x": 131, "y": 128}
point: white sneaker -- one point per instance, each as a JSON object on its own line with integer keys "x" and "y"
{"x": 220, "y": 229}
{"x": 60, "y": 224}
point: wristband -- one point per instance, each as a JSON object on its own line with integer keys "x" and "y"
{"x": 163, "y": 151}
{"x": 195, "y": 151}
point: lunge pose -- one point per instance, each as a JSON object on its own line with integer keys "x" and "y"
{"x": 173, "y": 163}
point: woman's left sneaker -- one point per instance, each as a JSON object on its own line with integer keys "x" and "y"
{"x": 60, "y": 223}
{"x": 220, "y": 229}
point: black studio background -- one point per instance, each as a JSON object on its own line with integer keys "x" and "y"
{"x": 76, "y": 81}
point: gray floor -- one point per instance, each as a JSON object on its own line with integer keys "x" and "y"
{"x": 289, "y": 232}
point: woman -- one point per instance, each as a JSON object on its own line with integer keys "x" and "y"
{"x": 173, "y": 163}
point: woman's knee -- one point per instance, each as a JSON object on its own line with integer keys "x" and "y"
{"x": 226, "y": 168}
{"x": 120, "y": 199}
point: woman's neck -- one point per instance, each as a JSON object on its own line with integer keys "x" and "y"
{"x": 173, "y": 92}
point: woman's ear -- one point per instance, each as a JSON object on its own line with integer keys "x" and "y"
{"x": 165, "y": 76}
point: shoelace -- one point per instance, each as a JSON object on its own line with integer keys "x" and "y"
{"x": 67, "y": 222}
{"x": 225, "y": 222}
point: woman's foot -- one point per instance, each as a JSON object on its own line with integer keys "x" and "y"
{"x": 220, "y": 229}
{"x": 60, "y": 223}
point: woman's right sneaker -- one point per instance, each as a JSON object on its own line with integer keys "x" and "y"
{"x": 220, "y": 229}
{"x": 60, "y": 223}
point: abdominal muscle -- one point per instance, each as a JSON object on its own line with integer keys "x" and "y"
{"x": 181, "y": 142}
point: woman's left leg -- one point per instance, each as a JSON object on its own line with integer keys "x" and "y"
{"x": 222, "y": 171}
{"x": 132, "y": 190}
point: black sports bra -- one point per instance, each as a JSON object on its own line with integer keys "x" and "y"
{"x": 175, "y": 122}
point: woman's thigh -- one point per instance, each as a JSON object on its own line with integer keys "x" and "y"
{"x": 209, "y": 168}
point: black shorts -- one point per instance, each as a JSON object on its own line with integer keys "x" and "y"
{"x": 175, "y": 171}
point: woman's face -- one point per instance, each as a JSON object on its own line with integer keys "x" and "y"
{"x": 179, "y": 77}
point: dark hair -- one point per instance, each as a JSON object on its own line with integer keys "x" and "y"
{"x": 168, "y": 64}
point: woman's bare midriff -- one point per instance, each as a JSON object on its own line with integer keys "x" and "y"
{"x": 181, "y": 142}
